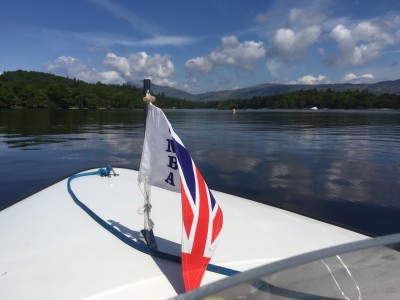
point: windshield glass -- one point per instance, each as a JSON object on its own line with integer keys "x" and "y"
{"x": 368, "y": 269}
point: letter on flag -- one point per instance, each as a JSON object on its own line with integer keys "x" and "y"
{"x": 167, "y": 164}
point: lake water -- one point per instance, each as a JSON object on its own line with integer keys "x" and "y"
{"x": 339, "y": 166}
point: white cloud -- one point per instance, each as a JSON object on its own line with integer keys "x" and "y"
{"x": 351, "y": 77}
{"x": 101, "y": 39}
{"x": 162, "y": 40}
{"x": 118, "y": 63}
{"x": 121, "y": 69}
{"x": 141, "y": 65}
{"x": 241, "y": 56}
{"x": 361, "y": 43}
{"x": 309, "y": 79}
{"x": 230, "y": 53}
{"x": 289, "y": 43}
{"x": 66, "y": 65}
{"x": 72, "y": 67}
{"x": 289, "y": 46}
{"x": 110, "y": 77}
{"x": 199, "y": 64}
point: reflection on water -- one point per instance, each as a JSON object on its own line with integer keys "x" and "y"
{"x": 341, "y": 166}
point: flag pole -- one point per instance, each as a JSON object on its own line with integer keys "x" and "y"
{"x": 146, "y": 92}
{"x": 147, "y": 234}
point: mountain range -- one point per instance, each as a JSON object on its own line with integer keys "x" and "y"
{"x": 379, "y": 88}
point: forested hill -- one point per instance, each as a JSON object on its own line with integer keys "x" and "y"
{"x": 38, "y": 90}
{"x": 42, "y": 90}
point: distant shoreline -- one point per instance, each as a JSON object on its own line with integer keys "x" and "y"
{"x": 42, "y": 90}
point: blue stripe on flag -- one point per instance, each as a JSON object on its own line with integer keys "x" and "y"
{"x": 185, "y": 162}
{"x": 212, "y": 200}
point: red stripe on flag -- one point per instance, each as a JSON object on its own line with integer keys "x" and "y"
{"x": 194, "y": 264}
{"x": 186, "y": 212}
{"x": 193, "y": 268}
{"x": 217, "y": 225}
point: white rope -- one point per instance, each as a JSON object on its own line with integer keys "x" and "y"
{"x": 146, "y": 208}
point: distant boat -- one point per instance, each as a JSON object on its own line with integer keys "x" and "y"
{"x": 314, "y": 108}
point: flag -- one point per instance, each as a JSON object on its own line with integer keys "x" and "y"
{"x": 166, "y": 163}
{"x": 158, "y": 165}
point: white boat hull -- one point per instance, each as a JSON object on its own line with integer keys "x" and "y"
{"x": 52, "y": 249}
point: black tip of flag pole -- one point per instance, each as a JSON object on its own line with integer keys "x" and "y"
{"x": 146, "y": 88}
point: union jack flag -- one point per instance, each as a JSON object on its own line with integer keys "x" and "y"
{"x": 202, "y": 219}
{"x": 164, "y": 159}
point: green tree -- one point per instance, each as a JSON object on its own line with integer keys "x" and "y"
{"x": 7, "y": 96}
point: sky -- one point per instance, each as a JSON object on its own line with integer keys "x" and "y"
{"x": 204, "y": 45}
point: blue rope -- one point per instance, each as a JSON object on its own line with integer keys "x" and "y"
{"x": 138, "y": 246}
{"x": 258, "y": 284}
